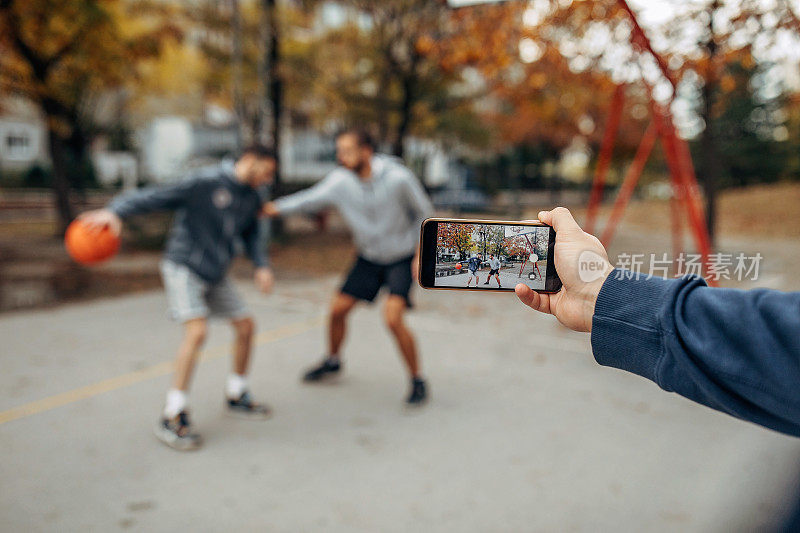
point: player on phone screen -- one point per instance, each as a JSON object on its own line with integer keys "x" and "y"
{"x": 494, "y": 269}
{"x": 473, "y": 265}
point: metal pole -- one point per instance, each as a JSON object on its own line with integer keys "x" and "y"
{"x": 604, "y": 159}
{"x": 236, "y": 38}
{"x": 676, "y": 150}
{"x": 630, "y": 181}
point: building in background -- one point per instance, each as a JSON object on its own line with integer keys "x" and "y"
{"x": 116, "y": 168}
{"x": 23, "y": 137}
{"x": 170, "y": 146}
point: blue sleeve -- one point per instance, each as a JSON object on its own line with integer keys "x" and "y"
{"x": 732, "y": 350}
{"x": 161, "y": 198}
{"x": 251, "y": 236}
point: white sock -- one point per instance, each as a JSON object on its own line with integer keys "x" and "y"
{"x": 176, "y": 402}
{"x": 235, "y": 386}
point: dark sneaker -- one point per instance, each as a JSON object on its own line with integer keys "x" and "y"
{"x": 245, "y": 407}
{"x": 328, "y": 368}
{"x": 177, "y": 433}
{"x": 418, "y": 394}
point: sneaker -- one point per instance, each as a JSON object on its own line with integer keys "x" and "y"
{"x": 245, "y": 407}
{"x": 418, "y": 394}
{"x": 177, "y": 433}
{"x": 328, "y": 368}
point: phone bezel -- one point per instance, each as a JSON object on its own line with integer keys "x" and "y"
{"x": 427, "y": 256}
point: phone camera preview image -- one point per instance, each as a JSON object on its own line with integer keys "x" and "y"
{"x": 477, "y": 255}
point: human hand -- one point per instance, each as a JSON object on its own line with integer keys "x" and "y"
{"x": 415, "y": 265}
{"x": 574, "y": 304}
{"x": 264, "y": 279}
{"x": 271, "y": 210}
{"x": 101, "y": 218}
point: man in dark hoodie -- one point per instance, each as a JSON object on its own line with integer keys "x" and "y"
{"x": 473, "y": 265}
{"x": 214, "y": 209}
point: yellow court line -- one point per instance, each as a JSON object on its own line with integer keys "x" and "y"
{"x": 161, "y": 369}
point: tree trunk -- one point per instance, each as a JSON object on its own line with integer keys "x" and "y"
{"x": 274, "y": 97}
{"x": 238, "y": 100}
{"x": 76, "y": 156}
{"x": 61, "y": 186}
{"x": 383, "y": 118}
{"x": 710, "y": 159}
{"x": 406, "y": 108}
{"x": 711, "y": 167}
{"x": 275, "y": 84}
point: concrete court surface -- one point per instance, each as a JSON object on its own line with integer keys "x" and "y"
{"x": 509, "y": 277}
{"x": 524, "y": 431}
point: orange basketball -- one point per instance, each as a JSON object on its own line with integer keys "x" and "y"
{"x": 458, "y": 266}
{"x": 87, "y": 246}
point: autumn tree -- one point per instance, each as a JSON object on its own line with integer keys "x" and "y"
{"x": 538, "y": 95}
{"x": 494, "y": 239}
{"x": 727, "y": 35}
{"x": 482, "y": 233}
{"x": 523, "y": 245}
{"x": 516, "y": 247}
{"x": 697, "y": 43}
{"x": 541, "y": 243}
{"x": 456, "y": 237}
{"x": 258, "y": 56}
{"x": 389, "y": 72}
{"x": 792, "y": 125}
{"x": 62, "y": 55}
{"x": 744, "y": 130}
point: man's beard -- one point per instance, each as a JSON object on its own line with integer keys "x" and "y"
{"x": 357, "y": 168}
{"x": 360, "y": 167}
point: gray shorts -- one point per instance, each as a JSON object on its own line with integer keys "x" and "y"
{"x": 190, "y": 296}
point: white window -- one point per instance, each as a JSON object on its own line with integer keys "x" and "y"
{"x": 18, "y": 143}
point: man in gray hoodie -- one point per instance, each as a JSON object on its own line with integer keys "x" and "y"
{"x": 494, "y": 269}
{"x": 384, "y": 205}
{"x": 214, "y": 208}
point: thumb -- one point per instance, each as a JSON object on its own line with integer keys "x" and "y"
{"x": 531, "y": 298}
{"x": 560, "y": 218}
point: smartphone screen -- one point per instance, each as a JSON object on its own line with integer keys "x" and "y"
{"x": 487, "y": 255}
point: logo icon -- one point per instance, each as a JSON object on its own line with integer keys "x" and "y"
{"x": 222, "y": 198}
{"x": 591, "y": 266}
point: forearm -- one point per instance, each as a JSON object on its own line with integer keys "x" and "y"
{"x": 307, "y": 201}
{"x": 258, "y": 256}
{"x": 127, "y": 205}
{"x": 419, "y": 202}
{"x": 734, "y": 351}
{"x": 149, "y": 200}
{"x": 255, "y": 246}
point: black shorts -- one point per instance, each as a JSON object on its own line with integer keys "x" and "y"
{"x": 366, "y": 279}
{"x": 494, "y": 271}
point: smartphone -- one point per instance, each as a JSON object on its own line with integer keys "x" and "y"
{"x": 487, "y": 255}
